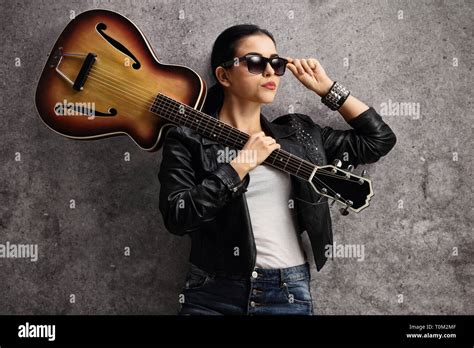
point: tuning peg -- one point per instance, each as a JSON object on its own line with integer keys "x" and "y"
{"x": 344, "y": 211}
{"x": 323, "y": 191}
{"x": 336, "y": 197}
{"x": 336, "y": 163}
{"x": 349, "y": 169}
{"x": 363, "y": 174}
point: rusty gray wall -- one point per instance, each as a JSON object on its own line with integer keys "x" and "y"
{"x": 417, "y": 234}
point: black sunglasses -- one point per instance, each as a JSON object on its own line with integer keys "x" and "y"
{"x": 256, "y": 63}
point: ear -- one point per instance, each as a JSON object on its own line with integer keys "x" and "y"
{"x": 222, "y": 76}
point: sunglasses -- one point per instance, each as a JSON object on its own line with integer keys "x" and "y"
{"x": 256, "y": 64}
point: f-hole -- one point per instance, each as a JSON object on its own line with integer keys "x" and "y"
{"x": 100, "y": 28}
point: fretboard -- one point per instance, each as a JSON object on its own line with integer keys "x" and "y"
{"x": 210, "y": 127}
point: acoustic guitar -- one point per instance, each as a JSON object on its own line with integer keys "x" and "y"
{"x": 103, "y": 79}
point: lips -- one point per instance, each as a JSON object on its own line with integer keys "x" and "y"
{"x": 270, "y": 85}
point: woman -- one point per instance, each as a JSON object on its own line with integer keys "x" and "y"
{"x": 245, "y": 219}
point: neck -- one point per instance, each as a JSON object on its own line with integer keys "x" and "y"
{"x": 245, "y": 116}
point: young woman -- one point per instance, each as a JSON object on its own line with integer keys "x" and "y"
{"x": 245, "y": 219}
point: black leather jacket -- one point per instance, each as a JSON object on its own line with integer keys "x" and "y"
{"x": 206, "y": 200}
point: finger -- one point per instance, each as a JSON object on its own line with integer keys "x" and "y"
{"x": 312, "y": 63}
{"x": 297, "y": 63}
{"x": 255, "y": 136}
{"x": 317, "y": 65}
{"x": 292, "y": 68}
{"x": 271, "y": 141}
{"x": 267, "y": 140}
{"x": 306, "y": 67}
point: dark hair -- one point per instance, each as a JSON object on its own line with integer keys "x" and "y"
{"x": 224, "y": 49}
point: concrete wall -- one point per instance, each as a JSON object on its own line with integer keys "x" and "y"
{"x": 417, "y": 234}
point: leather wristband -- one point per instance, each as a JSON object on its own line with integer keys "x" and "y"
{"x": 336, "y": 96}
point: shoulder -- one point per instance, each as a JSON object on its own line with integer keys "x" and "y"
{"x": 180, "y": 132}
{"x": 178, "y": 135}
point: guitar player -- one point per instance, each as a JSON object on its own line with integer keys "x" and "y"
{"x": 245, "y": 219}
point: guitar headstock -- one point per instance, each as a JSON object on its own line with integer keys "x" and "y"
{"x": 352, "y": 191}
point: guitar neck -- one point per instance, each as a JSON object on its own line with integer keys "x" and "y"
{"x": 212, "y": 128}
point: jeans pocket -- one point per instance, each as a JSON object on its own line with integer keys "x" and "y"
{"x": 196, "y": 278}
{"x": 298, "y": 291}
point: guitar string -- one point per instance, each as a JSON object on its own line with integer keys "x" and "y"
{"x": 282, "y": 155}
{"x": 308, "y": 166}
{"x": 239, "y": 138}
{"x": 111, "y": 74}
{"x": 322, "y": 183}
{"x": 199, "y": 126}
{"x": 302, "y": 170}
{"x": 139, "y": 90}
{"x": 286, "y": 156}
{"x": 305, "y": 170}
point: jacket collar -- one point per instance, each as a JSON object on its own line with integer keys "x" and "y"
{"x": 274, "y": 130}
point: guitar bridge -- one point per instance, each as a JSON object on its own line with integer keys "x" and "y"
{"x": 78, "y": 83}
{"x": 84, "y": 72}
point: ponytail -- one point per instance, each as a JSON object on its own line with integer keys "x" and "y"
{"x": 214, "y": 99}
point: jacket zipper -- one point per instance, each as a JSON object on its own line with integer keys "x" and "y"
{"x": 254, "y": 247}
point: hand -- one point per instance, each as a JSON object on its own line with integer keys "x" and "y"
{"x": 311, "y": 74}
{"x": 257, "y": 148}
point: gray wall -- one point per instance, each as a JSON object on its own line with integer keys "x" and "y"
{"x": 417, "y": 234}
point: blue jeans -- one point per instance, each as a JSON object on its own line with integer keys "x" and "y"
{"x": 284, "y": 291}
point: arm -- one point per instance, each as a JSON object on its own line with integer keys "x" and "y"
{"x": 184, "y": 203}
{"x": 369, "y": 140}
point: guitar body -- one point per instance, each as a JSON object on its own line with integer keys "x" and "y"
{"x": 113, "y": 94}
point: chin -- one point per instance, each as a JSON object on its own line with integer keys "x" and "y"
{"x": 266, "y": 98}
{"x": 266, "y": 101}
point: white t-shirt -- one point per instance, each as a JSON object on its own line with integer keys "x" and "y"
{"x": 273, "y": 220}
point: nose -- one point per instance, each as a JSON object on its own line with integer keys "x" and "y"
{"x": 268, "y": 70}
